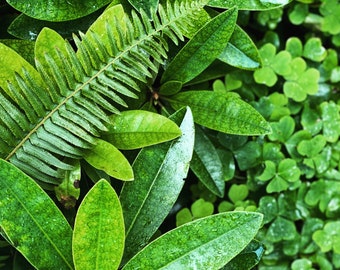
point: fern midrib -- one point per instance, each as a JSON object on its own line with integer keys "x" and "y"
{"x": 100, "y": 71}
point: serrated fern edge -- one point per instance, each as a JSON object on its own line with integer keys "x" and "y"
{"x": 63, "y": 119}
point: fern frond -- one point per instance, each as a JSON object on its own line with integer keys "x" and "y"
{"x": 58, "y": 110}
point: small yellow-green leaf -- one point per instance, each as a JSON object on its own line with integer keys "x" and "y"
{"x": 207, "y": 243}
{"x": 98, "y": 238}
{"x": 136, "y": 129}
{"x": 105, "y": 156}
{"x": 32, "y": 222}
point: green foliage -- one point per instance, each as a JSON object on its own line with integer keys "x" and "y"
{"x": 98, "y": 234}
{"x": 165, "y": 77}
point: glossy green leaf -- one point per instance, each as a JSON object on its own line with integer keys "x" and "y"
{"x": 57, "y": 10}
{"x": 206, "y": 164}
{"x": 207, "y": 243}
{"x": 28, "y": 28}
{"x": 248, "y": 4}
{"x": 248, "y": 258}
{"x": 330, "y": 121}
{"x": 136, "y": 129}
{"x": 68, "y": 191}
{"x": 204, "y": 47}
{"x": 226, "y": 113}
{"x": 241, "y": 51}
{"x": 294, "y": 47}
{"x": 32, "y": 222}
{"x": 12, "y": 63}
{"x": 98, "y": 238}
{"x": 23, "y": 47}
{"x": 105, "y": 156}
{"x": 160, "y": 171}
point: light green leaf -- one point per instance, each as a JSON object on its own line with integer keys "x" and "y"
{"x": 68, "y": 191}
{"x": 283, "y": 129}
{"x": 136, "y": 129}
{"x": 238, "y": 192}
{"x": 32, "y": 222}
{"x": 207, "y": 243}
{"x": 147, "y": 5}
{"x": 225, "y": 113}
{"x": 105, "y": 156}
{"x": 98, "y": 238}
{"x": 314, "y": 50}
{"x": 248, "y": 4}
{"x": 312, "y": 147}
{"x": 202, "y": 208}
{"x": 206, "y": 164}
{"x": 159, "y": 177}
{"x": 241, "y": 51}
{"x": 57, "y": 10}
{"x": 23, "y": 47}
{"x": 116, "y": 11}
{"x": 12, "y": 63}
{"x": 202, "y": 49}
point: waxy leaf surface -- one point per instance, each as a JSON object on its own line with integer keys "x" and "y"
{"x": 225, "y": 113}
{"x": 98, "y": 238}
{"x": 159, "y": 177}
{"x": 136, "y": 129}
{"x": 32, "y": 222}
{"x": 207, "y": 243}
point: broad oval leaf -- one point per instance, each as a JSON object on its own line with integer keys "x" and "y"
{"x": 136, "y": 129}
{"x": 225, "y": 113}
{"x": 55, "y": 10}
{"x": 32, "y": 222}
{"x": 105, "y": 156}
{"x": 206, "y": 164}
{"x": 159, "y": 177}
{"x": 207, "y": 243}
{"x": 98, "y": 238}
{"x": 204, "y": 47}
{"x": 241, "y": 51}
{"x": 248, "y": 4}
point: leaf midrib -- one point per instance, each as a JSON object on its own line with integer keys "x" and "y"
{"x": 77, "y": 90}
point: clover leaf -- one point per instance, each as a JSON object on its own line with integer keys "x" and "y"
{"x": 301, "y": 81}
{"x": 330, "y": 9}
{"x": 294, "y": 47}
{"x": 331, "y": 121}
{"x": 329, "y": 237}
{"x": 282, "y": 130}
{"x": 298, "y": 14}
{"x": 314, "y": 50}
{"x": 272, "y": 64}
{"x": 312, "y": 147}
{"x": 280, "y": 177}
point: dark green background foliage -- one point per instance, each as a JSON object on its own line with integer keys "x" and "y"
{"x": 239, "y": 98}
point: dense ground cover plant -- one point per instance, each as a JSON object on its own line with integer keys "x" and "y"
{"x": 67, "y": 111}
